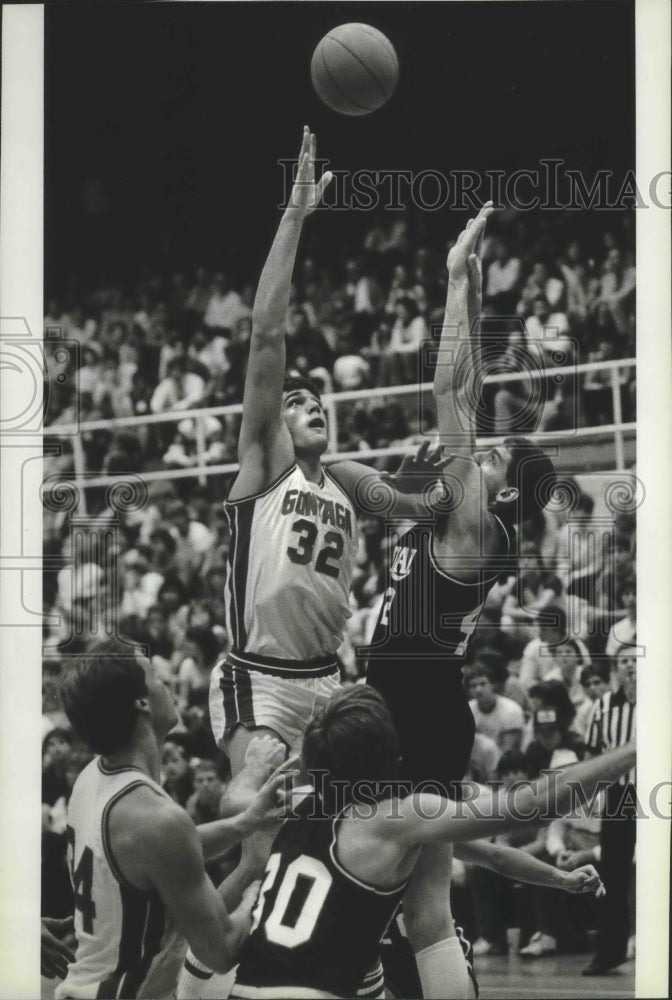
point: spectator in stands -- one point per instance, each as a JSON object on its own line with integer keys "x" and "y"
{"x": 398, "y": 356}
{"x": 595, "y": 682}
{"x": 306, "y": 348}
{"x": 617, "y": 287}
{"x": 409, "y": 328}
{"x": 179, "y": 390}
{"x": 56, "y": 749}
{"x": 224, "y": 307}
{"x": 203, "y": 804}
{"x": 517, "y": 402}
{"x": 198, "y": 298}
{"x": 202, "y": 650}
{"x": 495, "y": 716}
{"x": 351, "y": 370}
{"x": 597, "y": 393}
{"x": 88, "y": 375}
{"x": 539, "y": 654}
{"x": 569, "y": 662}
{"x": 139, "y": 585}
{"x": 624, "y": 631}
{"x": 209, "y": 349}
{"x": 193, "y": 540}
{"x": 502, "y": 278}
{"x": 616, "y": 567}
{"x": 162, "y": 546}
{"x": 178, "y": 778}
{"x": 549, "y": 331}
{"x": 540, "y": 285}
{"x": 171, "y": 598}
{"x": 506, "y": 684}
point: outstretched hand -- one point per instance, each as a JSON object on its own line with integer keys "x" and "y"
{"x": 585, "y": 880}
{"x": 273, "y": 799}
{"x": 263, "y": 754}
{"x": 464, "y": 257}
{"x": 306, "y": 193}
{"x": 422, "y": 469}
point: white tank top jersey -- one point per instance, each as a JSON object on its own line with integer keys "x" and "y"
{"x": 127, "y": 945}
{"x": 289, "y": 569}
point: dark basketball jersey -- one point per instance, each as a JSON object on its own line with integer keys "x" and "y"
{"x": 418, "y": 647}
{"x": 315, "y": 927}
{"x": 426, "y": 614}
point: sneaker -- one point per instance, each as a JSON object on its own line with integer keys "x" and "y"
{"x": 631, "y": 951}
{"x": 484, "y": 947}
{"x": 540, "y": 944}
{"x": 600, "y": 967}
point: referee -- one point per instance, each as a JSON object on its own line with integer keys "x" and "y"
{"x": 612, "y": 723}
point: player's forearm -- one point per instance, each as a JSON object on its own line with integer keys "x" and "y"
{"x": 454, "y": 335}
{"x": 490, "y": 813}
{"x": 559, "y": 792}
{"x": 453, "y": 368}
{"x": 220, "y": 835}
{"x": 512, "y": 863}
{"x": 272, "y": 299}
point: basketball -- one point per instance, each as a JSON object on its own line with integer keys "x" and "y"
{"x": 354, "y": 69}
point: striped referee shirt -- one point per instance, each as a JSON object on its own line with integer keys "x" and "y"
{"x": 612, "y": 724}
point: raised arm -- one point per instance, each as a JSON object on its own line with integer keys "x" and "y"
{"x": 457, "y": 355}
{"x": 456, "y": 389}
{"x": 265, "y": 448}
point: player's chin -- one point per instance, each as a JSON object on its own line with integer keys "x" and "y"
{"x": 317, "y": 440}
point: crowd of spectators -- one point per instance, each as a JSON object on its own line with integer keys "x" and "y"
{"x": 169, "y": 342}
{"x": 549, "y": 639}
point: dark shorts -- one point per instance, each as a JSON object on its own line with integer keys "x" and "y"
{"x": 432, "y": 716}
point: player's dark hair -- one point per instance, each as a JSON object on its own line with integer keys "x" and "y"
{"x": 600, "y": 670}
{"x": 294, "y": 382}
{"x": 532, "y": 473}
{"x": 98, "y": 691}
{"x": 354, "y": 740}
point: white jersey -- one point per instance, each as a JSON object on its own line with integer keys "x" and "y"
{"x": 127, "y": 945}
{"x": 289, "y": 569}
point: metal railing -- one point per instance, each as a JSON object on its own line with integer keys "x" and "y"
{"x": 202, "y": 471}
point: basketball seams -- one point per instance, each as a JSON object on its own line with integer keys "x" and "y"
{"x": 378, "y": 36}
{"x": 343, "y": 94}
{"x": 364, "y": 66}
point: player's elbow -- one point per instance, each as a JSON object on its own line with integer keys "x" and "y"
{"x": 215, "y": 944}
{"x": 217, "y": 956}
